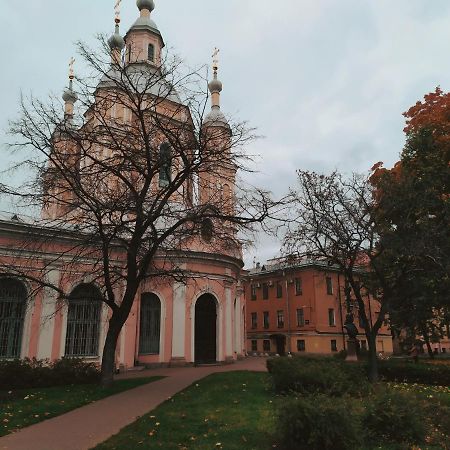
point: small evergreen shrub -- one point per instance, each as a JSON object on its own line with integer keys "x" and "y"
{"x": 33, "y": 373}
{"x": 307, "y": 376}
{"x": 395, "y": 417}
{"x": 408, "y": 372}
{"x": 318, "y": 423}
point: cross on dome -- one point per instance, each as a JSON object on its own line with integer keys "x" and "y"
{"x": 117, "y": 10}
{"x": 215, "y": 57}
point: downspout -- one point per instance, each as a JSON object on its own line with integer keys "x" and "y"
{"x": 340, "y": 310}
{"x": 288, "y": 312}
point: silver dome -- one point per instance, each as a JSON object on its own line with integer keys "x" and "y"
{"x": 145, "y": 4}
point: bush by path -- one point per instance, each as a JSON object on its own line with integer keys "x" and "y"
{"x": 312, "y": 375}
{"x": 33, "y": 373}
{"x": 356, "y": 414}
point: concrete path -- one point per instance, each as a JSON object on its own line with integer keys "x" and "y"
{"x": 85, "y": 427}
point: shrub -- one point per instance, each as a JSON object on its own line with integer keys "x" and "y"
{"x": 318, "y": 423}
{"x": 396, "y": 417}
{"x": 308, "y": 376}
{"x": 406, "y": 371}
{"x": 33, "y": 373}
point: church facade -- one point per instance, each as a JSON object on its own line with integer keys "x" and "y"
{"x": 172, "y": 322}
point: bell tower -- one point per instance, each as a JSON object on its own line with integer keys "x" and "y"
{"x": 144, "y": 41}
{"x": 217, "y": 187}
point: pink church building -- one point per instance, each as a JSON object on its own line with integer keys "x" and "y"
{"x": 171, "y": 322}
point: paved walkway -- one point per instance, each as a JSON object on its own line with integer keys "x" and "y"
{"x": 85, "y": 427}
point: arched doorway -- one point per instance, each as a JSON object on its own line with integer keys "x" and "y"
{"x": 83, "y": 321}
{"x": 206, "y": 330}
{"x": 150, "y": 324}
{"x": 13, "y": 296}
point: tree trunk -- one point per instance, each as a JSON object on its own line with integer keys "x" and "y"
{"x": 428, "y": 344}
{"x": 109, "y": 351}
{"x": 373, "y": 359}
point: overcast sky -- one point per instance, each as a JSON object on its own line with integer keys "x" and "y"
{"x": 325, "y": 81}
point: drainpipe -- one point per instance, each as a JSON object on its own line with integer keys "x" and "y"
{"x": 288, "y": 315}
{"x": 340, "y": 310}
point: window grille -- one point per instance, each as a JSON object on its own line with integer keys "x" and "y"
{"x": 331, "y": 317}
{"x": 279, "y": 290}
{"x": 83, "y": 321}
{"x": 329, "y": 286}
{"x": 280, "y": 319}
{"x": 151, "y": 52}
{"x": 300, "y": 317}
{"x": 13, "y": 297}
{"x": 301, "y": 345}
{"x": 334, "y": 345}
{"x": 150, "y": 324}
{"x": 298, "y": 286}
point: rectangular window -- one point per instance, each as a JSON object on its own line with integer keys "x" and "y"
{"x": 301, "y": 345}
{"x": 266, "y": 345}
{"x": 279, "y": 289}
{"x": 165, "y": 165}
{"x": 265, "y": 288}
{"x": 329, "y": 286}
{"x": 331, "y": 318}
{"x": 151, "y": 52}
{"x": 280, "y": 319}
{"x": 254, "y": 320}
{"x": 333, "y": 345}
{"x": 298, "y": 286}
{"x": 363, "y": 344}
{"x": 300, "y": 317}
{"x": 361, "y": 320}
{"x": 254, "y": 345}
{"x": 266, "y": 319}
{"x": 253, "y": 291}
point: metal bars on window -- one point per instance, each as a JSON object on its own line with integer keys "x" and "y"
{"x": 150, "y": 325}
{"x": 83, "y": 322}
{"x": 13, "y": 296}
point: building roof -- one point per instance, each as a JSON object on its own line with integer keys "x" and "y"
{"x": 146, "y": 77}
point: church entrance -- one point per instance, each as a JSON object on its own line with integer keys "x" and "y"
{"x": 206, "y": 330}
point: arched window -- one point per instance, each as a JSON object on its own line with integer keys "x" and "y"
{"x": 207, "y": 230}
{"x": 165, "y": 164}
{"x": 151, "y": 52}
{"x": 83, "y": 321}
{"x": 13, "y": 296}
{"x": 150, "y": 324}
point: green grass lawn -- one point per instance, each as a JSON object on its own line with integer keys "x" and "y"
{"x": 233, "y": 411}
{"x": 21, "y": 408}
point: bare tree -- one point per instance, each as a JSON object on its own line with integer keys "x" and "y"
{"x": 334, "y": 222}
{"x": 130, "y": 180}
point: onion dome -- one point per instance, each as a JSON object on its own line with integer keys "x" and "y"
{"x": 145, "y": 4}
{"x": 116, "y": 41}
{"x": 215, "y": 118}
{"x": 69, "y": 96}
{"x": 215, "y": 85}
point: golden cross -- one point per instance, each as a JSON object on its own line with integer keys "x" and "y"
{"x": 117, "y": 9}
{"x": 71, "y": 73}
{"x": 215, "y": 57}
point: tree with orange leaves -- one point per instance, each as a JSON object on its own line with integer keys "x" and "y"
{"x": 413, "y": 201}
